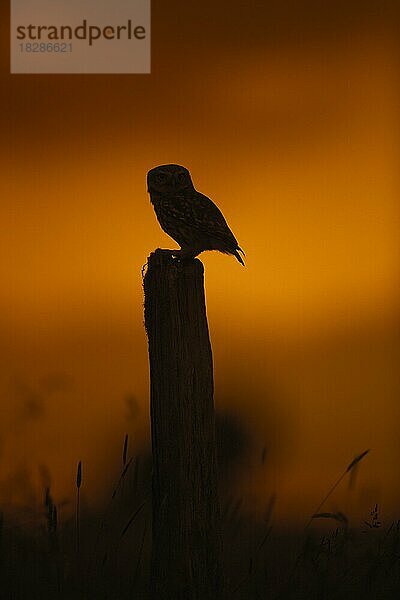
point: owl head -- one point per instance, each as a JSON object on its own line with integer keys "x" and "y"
{"x": 167, "y": 179}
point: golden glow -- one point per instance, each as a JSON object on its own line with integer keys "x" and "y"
{"x": 298, "y": 148}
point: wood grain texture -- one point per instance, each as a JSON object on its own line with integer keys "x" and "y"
{"x": 186, "y": 554}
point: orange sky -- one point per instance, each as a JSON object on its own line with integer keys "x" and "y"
{"x": 287, "y": 117}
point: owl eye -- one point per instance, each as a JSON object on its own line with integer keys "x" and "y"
{"x": 161, "y": 178}
{"x": 181, "y": 177}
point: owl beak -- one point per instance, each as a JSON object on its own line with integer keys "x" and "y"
{"x": 176, "y": 180}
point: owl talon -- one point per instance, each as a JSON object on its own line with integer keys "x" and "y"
{"x": 182, "y": 258}
{"x": 166, "y": 251}
{"x": 176, "y": 254}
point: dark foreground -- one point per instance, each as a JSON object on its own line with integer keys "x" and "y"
{"x": 106, "y": 556}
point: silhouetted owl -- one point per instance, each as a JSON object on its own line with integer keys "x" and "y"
{"x": 188, "y": 216}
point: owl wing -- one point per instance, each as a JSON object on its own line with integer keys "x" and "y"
{"x": 206, "y": 218}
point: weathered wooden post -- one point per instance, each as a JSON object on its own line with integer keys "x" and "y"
{"x": 186, "y": 554}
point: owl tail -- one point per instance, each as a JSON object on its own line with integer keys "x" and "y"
{"x": 236, "y": 253}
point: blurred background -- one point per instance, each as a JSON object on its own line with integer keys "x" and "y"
{"x": 286, "y": 114}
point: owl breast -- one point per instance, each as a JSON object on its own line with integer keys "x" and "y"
{"x": 172, "y": 212}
